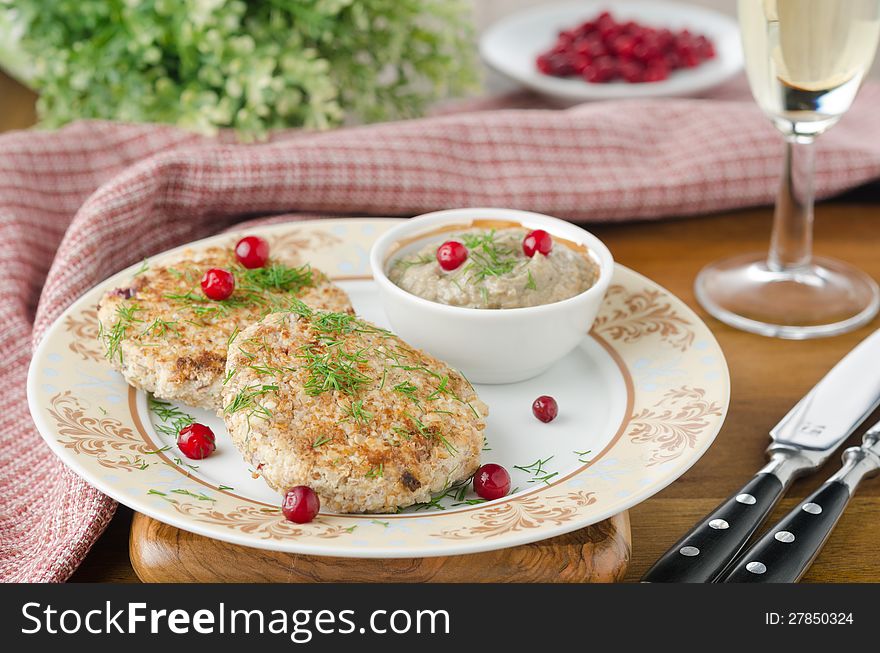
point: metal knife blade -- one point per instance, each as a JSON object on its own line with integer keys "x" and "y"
{"x": 802, "y": 441}
{"x": 834, "y": 408}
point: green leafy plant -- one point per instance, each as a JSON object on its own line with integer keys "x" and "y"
{"x": 252, "y": 66}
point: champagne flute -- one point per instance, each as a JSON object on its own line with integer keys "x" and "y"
{"x": 805, "y": 61}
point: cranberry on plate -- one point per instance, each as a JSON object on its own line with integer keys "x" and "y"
{"x": 545, "y": 408}
{"x": 252, "y": 252}
{"x": 537, "y": 241}
{"x": 300, "y": 504}
{"x": 451, "y": 254}
{"x": 491, "y": 482}
{"x": 218, "y": 284}
{"x": 196, "y": 441}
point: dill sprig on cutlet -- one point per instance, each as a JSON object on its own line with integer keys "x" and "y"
{"x": 268, "y": 288}
{"x": 333, "y": 370}
{"x": 275, "y": 276}
{"x": 246, "y": 399}
{"x": 112, "y": 338}
{"x": 357, "y": 412}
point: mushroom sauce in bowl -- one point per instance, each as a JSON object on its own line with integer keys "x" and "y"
{"x": 495, "y": 270}
{"x": 499, "y": 294}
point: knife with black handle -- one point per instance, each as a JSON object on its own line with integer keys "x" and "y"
{"x": 802, "y": 442}
{"x": 788, "y": 549}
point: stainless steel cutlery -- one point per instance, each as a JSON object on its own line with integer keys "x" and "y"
{"x": 788, "y": 549}
{"x": 802, "y": 441}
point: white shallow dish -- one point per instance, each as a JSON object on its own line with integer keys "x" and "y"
{"x": 645, "y": 394}
{"x": 512, "y": 45}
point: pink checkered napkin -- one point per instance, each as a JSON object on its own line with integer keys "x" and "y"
{"x": 81, "y": 203}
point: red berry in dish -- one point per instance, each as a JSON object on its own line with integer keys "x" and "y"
{"x": 604, "y": 50}
{"x": 451, "y": 254}
{"x": 545, "y": 408}
{"x": 196, "y": 441}
{"x": 537, "y": 241}
{"x": 252, "y": 252}
{"x": 491, "y": 482}
{"x": 218, "y": 284}
{"x": 300, "y": 504}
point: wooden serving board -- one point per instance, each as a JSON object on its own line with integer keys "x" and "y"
{"x": 164, "y": 554}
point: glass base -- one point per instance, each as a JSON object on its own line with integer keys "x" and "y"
{"x": 825, "y": 298}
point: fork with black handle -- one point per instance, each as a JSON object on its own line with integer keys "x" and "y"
{"x": 802, "y": 441}
{"x": 788, "y": 549}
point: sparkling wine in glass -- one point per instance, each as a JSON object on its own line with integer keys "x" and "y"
{"x": 805, "y": 61}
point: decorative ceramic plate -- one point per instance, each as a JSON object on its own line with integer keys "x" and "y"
{"x": 512, "y": 45}
{"x": 640, "y": 400}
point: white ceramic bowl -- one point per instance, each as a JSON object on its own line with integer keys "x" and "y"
{"x": 489, "y": 345}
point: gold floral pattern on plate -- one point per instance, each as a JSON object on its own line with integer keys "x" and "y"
{"x": 630, "y": 316}
{"x": 288, "y": 246}
{"x": 108, "y": 440}
{"x": 683, "y": 415}
{"x": 84, "y": 327}
{"x": 522, "y": 514}
{"x": 264, "y": 523}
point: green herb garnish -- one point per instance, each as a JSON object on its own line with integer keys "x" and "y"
{"x": 173, "y": 419}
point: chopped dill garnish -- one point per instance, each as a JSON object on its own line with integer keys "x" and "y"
{"x": 247, "y": 400}
{"x": 442, "y": 389}
{"x": 160, "y": 328}
{"x": 457, "y": 492}
{"x": 179, "y": 462}
{"x": 320, "y": 440}
{"x": 378, "y": 522}
{"x": 405, "y": 264}
{"x": 335, "y": 370}
{"x": 408, "y": 390}
{"x": 376, "y": 472}
{"x": 229, "y": 375}
{"x": 145, "y": 265}
{"x": 125, "y": 318}
{"x": 276, "y": 276}
{"x": 582, "y": 454}
{"x": 225, "y": 487}
{"x": 358, "y": 413}
{"x": 232, "y": 336}
{"x": 173, "y": 419}
{"x": 486, "y": 257}
{"x": 531, "y": 285}
{"x": 537, "y": 470}
{"x": 201, "y": 496}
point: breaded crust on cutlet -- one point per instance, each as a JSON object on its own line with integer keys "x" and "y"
{"x": 331, "y": 401}
{"x": 165, "y": 336}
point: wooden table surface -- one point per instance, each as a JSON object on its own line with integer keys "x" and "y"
{"x": 767, "y": 375}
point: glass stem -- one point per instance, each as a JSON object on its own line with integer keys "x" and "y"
{"x": 791, "y": 244}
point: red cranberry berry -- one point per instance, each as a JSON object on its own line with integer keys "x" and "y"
{"x": 252, "y": 252}
{"x": 537, "y": 241}
{"x": 196, "y": 441}
{"x": 603, "y": 50}
{"x": 218, "y": 284}
{"x": 451, "y": 254}
{"x": 491, "y": 481}
{"x": 545, "y": 408}
{"x": 300, "y": 504}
